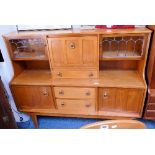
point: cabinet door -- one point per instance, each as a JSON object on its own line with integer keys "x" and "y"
{"x": 74, "y": 51}
{"x": 33, "y": 97}
{"x": 56, "y": 51}
{"x": 90, "y": 51}
{"x": 121, "y": 99}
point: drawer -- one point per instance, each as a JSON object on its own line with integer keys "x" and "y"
{"x": 150, "y": 113}
{"x": 152, "y": 99}
{"x": 75, "y": 74}
{"x": 76, "y": 106}
{"x": 74, "y": 92}
{"x": 151, "y": 106}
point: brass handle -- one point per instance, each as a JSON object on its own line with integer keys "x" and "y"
{"x": 88, "y": 105}
{"x": 59, "y": 74}
{"x": 105, "y": 95}
{"x": 62, "y": 104}
{"x": 72, "y": 45}
{"x": 91, "y": 75}
{"x": 88, "y": 93}
{"x": 45, "y": 93}
{"x": 61, "y": 92}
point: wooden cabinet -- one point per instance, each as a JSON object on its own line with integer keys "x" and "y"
{"x": 73, "y": 51}
{"x": 121, "y": 99}
{"x": 33, "y": 97}
{"x": 90, "y": 73}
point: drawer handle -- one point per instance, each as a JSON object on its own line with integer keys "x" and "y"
{"x": 88, "y": 93}
{"x": 62, "y": 104}
{"x": 45, "y": 93}
{"x": 105, "y": 95}
{"x": 91, "y": 74}
{"x": 88, "y": 105}
{"x": 59, "y": 74}
{"x": 61, "y": 92}
{"x": 72, "y": 45}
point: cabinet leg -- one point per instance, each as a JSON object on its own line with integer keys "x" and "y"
{"x": 35, "y": 121}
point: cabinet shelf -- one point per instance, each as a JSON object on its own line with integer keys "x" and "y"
{"x": 33, "y": 77}
{"x": 122, "y": 55}
{"x": 121, "y": 78}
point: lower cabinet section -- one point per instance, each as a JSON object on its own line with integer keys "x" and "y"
{"x": 76, "y": 106}
{"x": 33, "y": 97}
{"x": 121, "y": 99}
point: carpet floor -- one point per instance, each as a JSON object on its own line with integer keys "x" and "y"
{"x": 68, "y": 123}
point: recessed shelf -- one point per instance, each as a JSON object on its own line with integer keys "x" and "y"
{"x": 33, "y": 77}
{"x": 122, "y": 55}
{"x": 121, "y": 78}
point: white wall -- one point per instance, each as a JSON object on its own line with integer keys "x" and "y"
{"x": 6, "y": 70}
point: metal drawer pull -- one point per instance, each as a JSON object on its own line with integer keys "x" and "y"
{"x": 91, "y": 75}
{"x": 59, "y": 74}
{"x": 88, "y": 93}
{"x": 62, "y": 104}
{"x": 88, "y": 105}
{"x": 72, "y": 45}
{"x": 45, "y": 93}
{"x": 61, "y": 92}
{"x": 105, "y": 94}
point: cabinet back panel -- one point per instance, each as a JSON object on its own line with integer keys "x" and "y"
{"x": 120, "y": 65}
{"x": 37, "y": 65}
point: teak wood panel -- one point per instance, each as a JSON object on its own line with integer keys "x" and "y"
{"x": 74, "y": 92}
{"x": 74, "y": 51}
{"x": 33, "y": 97}
{"x": 121, "y": 99}
{"x": 76, "y": 73}
{"x": 76, "y": 106}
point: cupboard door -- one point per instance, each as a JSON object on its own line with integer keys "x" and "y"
{"x": 73, "y": 51}
{"x": 90, "y": 51}
{"x": 121, "y": 99}
{"x": 33, "y": 97}
{"x": 56, "y": 51}
{"x": 107, "y": 98}
{"x": 134, "y": 101}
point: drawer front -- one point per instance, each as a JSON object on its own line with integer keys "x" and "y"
{"x": 151, "y": 106}
{"x": 76, "y": 106}
{"x": 75, "y": 74}
{"x": 150, "y": 113}
{"x": 74, "y": 93}
{"x": 152, "y": 99}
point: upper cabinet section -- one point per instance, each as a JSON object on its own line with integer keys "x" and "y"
{"x": 28, "y": 48}
{"x": 73, "y": 51}
{"x": 117, "y": 47}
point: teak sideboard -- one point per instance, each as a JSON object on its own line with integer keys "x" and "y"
{"x": 87, "y": 73}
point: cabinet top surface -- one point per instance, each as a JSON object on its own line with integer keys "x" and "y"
{"x": 73, "y": 32}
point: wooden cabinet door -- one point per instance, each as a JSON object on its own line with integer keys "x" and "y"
{"x": 90, "y": 51}
{"x": 121, "y": 99}
{"x": 56, "y": 51}
{"x": 33, "y": 97}
{"x": 73, "y": 51}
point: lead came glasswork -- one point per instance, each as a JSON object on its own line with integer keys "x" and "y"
{"x": 125, "y": 46}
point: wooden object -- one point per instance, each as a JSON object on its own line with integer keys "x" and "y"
{"x": 150, "y": 105}
{"x": 116, "y": 124}
{"x": 89, "y": 73}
